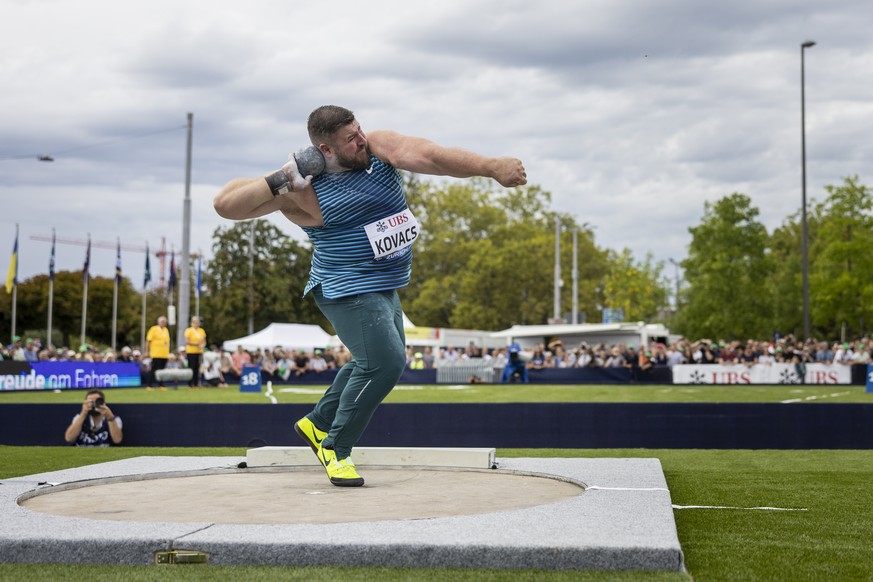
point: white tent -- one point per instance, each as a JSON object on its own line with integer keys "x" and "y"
{"x": 288, "y": 335}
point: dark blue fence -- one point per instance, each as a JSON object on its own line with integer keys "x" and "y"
{"x": 522, "y": 425}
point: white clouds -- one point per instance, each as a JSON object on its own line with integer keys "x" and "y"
{"x": 631, "y": 113}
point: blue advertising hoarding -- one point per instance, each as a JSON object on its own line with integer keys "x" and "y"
{"x": 66, "y": 375}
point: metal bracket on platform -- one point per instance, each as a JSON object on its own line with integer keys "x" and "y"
{"x": 181, "y": 557}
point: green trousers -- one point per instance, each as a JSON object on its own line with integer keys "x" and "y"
{"x": 370, "y": 325}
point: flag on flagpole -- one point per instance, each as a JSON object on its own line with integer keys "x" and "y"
{"x": 118, "y": 263}
{"x": 199, "y": 276}
{"x": 12, "y": 275}
{"x": 52, "y": 259}
{"x": 147, "y": 276}
{"x": 85, "y": 269}
{"x": 172, "y": 282}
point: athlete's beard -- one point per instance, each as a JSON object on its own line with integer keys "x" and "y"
{"x": 359, "y": 161}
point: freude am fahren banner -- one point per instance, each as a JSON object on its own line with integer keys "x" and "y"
{"x": 62, "y": 375}
{"x": 762, "y": 374}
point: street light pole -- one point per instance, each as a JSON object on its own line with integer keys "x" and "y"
{"x": 251, "y": 295}
{"x": 575, "y": 276}
{"x": 185, "y": 279}
{"x": 804, "y": 230}
{"x": 676, "y": 266}
{"x": 557, "y": 314}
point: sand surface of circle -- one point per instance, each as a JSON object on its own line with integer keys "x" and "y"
{"x": 304, "y": 496}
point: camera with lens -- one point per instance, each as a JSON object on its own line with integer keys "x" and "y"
{"x": 97, "y": 403}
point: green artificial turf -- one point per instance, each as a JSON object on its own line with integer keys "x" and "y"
{"x": 439, "y": 393}
{"x": 829, "y": 541}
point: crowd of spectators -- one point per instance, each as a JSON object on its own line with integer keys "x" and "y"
{"x": 282, "y": 365}
{"x": 659, "y": 354}
{"x": 218, "y": 367}
{"x": 32, "y": 350}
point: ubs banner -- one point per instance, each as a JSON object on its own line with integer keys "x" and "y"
{"x": 762, "y": 374}
{"x": 65, "y": 375}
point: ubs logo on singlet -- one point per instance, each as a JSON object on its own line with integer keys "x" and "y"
{"x": 393, "y": 235}
{"x": 397, "y": 220}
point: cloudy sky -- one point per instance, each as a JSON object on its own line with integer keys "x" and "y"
{"x": 631, "y": 113}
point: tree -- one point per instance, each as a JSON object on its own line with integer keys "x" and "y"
{"x": 501, "y": 286}
{"x": 726, "y": 271}
{"x": 785, "y": 284}
{"x": 840, "y": 230}
{"x": 639, "y": 289}
{"x": 454, "y": 221}
{"x": 281, "y": 270}
{"x": 841, "y": 291}
{"x": 67, "y": 309}
{"x": 485, "y": 259}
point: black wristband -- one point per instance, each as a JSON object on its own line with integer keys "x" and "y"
{"x": 278, "y": 183}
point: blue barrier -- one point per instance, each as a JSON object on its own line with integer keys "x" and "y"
{"x": 521, "y": 425}
{"x": 19, "y": 376}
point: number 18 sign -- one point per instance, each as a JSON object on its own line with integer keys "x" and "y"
{"x": 250, "y": 379}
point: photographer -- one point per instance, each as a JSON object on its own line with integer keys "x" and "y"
{"x": 95, "y": 425}
{"x": 515, "y": 366}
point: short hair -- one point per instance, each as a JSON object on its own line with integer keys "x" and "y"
{"x": 325, "y": 121}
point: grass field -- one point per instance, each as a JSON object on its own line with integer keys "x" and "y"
{"x": 467, "y": 393}
{"x": 829, "y": 540}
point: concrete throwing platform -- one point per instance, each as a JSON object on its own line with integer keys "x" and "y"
{"x": 528, "y": 513}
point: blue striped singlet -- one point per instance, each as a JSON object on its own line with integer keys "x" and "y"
{"x": 343, "y": 261}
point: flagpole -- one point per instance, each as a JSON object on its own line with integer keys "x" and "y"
{"x": 199, "y": 283}
{"x": 51, "y": 290}
{"x": 115, "y": 296}
{"x": 14, "y": 307}
{"x": 84, "y": 310}
{"x": 51, "y": 297}
{"x": 85, "y": 276}
{"x": 13, "y": 267}
{"x": 142, "y": 324}
{"x": 147, "y": 276}
{"x": 171, "y": 286}
{"x": 114, "y": 315}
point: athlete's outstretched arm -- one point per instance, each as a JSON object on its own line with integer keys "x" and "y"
{"x": 245, "y": 198}
{"x": 422, "y": 156}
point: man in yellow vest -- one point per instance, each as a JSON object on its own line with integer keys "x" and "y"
{"x": 157, "y": 348}
{"x": 195, "y": 341}
{"x": 418, "y": 362}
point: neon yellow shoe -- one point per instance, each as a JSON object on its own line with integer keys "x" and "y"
{"x": 325, "y": 457}
{"x": 309, "y": 433}
{"x": 343, "y": 474}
